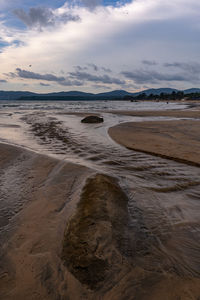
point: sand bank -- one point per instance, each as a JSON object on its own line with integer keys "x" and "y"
{"x": 178, "y": 140}
{"x": 195, "y": 113}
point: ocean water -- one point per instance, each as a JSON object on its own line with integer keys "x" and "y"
{"x": 81, "y": 106}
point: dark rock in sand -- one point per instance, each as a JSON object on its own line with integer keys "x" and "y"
{"x": 92, "y": 119}
{"x": 94, "y": 237}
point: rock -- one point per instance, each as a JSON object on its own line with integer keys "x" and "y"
{"x": 94, "y": 238}
{"x": 92, "y": 119}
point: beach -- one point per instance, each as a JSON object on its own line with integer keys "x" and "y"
{"x": 90, "y": 219}
{"x": 178, "y": 140}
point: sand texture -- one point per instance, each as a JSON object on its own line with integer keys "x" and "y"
{"x": 190, "y": 113}
{"x": 66, "y": 234}
{"x": 178, "y": 140}
{"x": 43, "y": 192}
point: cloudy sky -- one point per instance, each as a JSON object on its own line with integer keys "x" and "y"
{"x": 95, "y": 46}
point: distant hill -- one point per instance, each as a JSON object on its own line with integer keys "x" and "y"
{"x": 77, "y": 95}
{"x": 156, "y": 91}
{"x": 115, "y": 93}
{"x": 71, "y": 93}
{"x": 13, "y": 95}
{"x": 190, "y": 91}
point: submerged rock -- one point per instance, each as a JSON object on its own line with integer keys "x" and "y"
{"x": 94, "y": 237}
{"x": 92, "y": 119}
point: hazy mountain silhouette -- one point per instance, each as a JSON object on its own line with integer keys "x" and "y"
{"x": 77, "y": 95}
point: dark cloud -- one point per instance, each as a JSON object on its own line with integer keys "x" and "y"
{"x": 3, "y": 81}
{"x": 94, "y": 67}
{"x": 68, "y": 82}
{"x": 79, "y": 68}
{"x": 169, "y": 65}
{"x": 10, "y": 75}
{"x": 76, "y": 78}
{"x": 84, "y": 76}
{"x": 44, "y": 84}
{"x": 193, "y": 67}
{"x": 40, "y": 17}
{"x": 100, "y": 86}
{"x": 32, "y": 75}
{"x": 91, "y": 3}
{"x": 146, "y": 76}
{"x": 47, "y": 77}
{"x": 149, "y": 62}
{"x": 106, "y": 69}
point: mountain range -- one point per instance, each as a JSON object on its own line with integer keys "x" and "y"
{"x": 76, "y": 95}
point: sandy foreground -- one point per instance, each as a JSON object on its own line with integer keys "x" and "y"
{"x": 67, "y": 244}
{"x": 65, "y": 234}
{"x": 48, "y": 190}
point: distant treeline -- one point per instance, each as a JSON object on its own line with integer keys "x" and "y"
{"x": 54, "y": 98}
{"x": 164, "y": 96}
{"x": 142, "y": 96}
{"x": 69, "y": 98}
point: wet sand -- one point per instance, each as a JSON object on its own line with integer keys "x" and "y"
{"x": 42, "y": 193}
{"x": 186, "y": 113}
{"x": 68, "y": 232}
{"x": 103, "y": 256}
{"x": 178, "y": 140}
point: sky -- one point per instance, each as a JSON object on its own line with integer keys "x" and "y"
{"x": 96, "y": 45}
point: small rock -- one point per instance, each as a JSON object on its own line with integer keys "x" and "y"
{"x": 92, "y": 119}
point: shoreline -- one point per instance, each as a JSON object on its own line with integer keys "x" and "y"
{"x": 185, "y": 113}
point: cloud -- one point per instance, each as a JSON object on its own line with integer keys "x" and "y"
{"x": 147, "y": 76}
{"x": 79, "y": 68}
{"x": 93, "y": 66}
{"x": 47, "y": 77}
{"x": 117, "y": 36}
{"x": 84, "y": 76}
{"x": 32, "y": 75}
{"x": 91, "y": 3}
{"x": 192, "y": 67}
{"x": 101, "y": 86}
{"x": 44, "y": 84}
{"x": 149, "y": 62}
{"x": 40, "y": 17}
{"x": 106, "y": 69}
{"x": 68, "y": 82}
